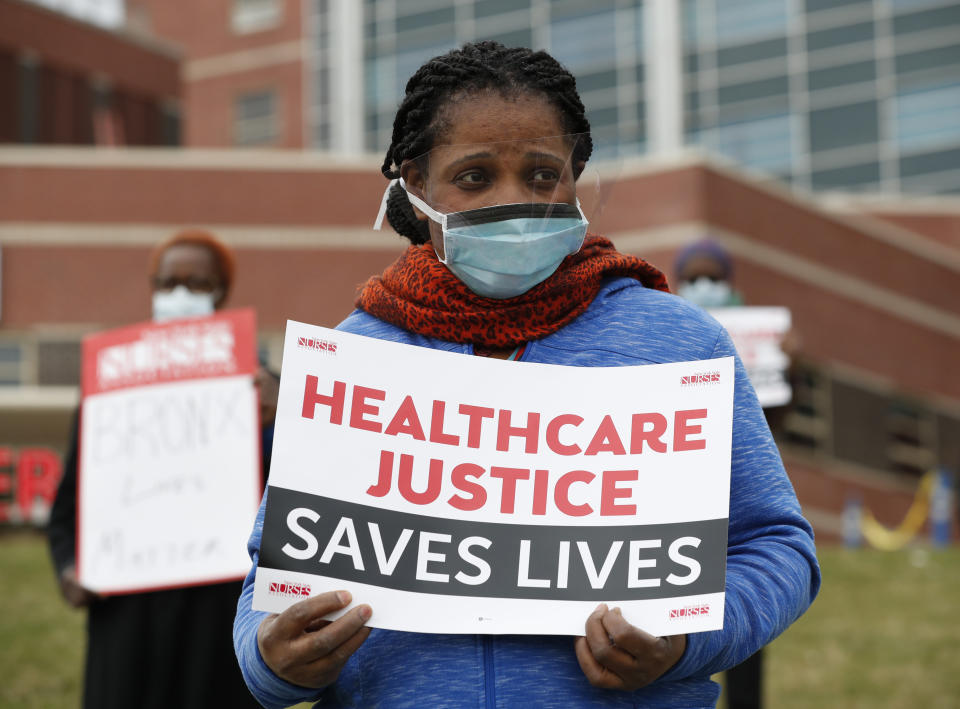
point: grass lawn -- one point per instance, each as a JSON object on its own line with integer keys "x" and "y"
{"x": 41, "y": 639}
{"x": 883, "y": 634}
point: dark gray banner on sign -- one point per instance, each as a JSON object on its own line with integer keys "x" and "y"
{"x": 318, "y": 535}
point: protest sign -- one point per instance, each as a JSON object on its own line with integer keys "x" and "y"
{"x": 169, "y": 477}
{"x": 757, "y": 333}
{"x": 463, "y": 494}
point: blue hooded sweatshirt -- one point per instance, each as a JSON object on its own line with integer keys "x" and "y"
{"x": 772, "y": 571}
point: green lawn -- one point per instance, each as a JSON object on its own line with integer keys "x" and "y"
{"x": 884, "y": 634}
{"x": 41, "y": 639}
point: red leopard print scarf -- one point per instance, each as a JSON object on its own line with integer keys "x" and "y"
{"x": 419, "y": 294}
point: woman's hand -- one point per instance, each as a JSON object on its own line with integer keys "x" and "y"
{"x": 617, "y": 655}
{"x": 75, "y": 595}
{"x": 303, "y": 648}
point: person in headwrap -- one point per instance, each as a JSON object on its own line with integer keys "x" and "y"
{"x": 705, "y": 275}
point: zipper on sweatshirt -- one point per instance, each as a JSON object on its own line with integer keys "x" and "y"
{"x": 489, "y": 674}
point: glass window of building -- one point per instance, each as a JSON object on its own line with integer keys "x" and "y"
{"x": 28, "y": 100}
{"x": 742, "y": 21}
{"x": 899, "y": 5}
{"x": 817, "y": 5}
{"x": 689, "y": 20}
{"x": 10, "y": 361}
{"x": 930, "y": 162}
{"x": 756, "y": 52}
{"x": 424, "y": 19}
{"x": 762, "y": 142}
{"x": 749, "y": 90}
{"x": 255, "y": 120}
{"x": 320, "y": 114}
{"x": 249, "y": 16}
{"x": 935, "y": 58}
{"x": 855, "y": 73}
{"x": 844, "y": 126}
{"x": 928, "y": 117}
{"x": 865, "y": 176}
{"x": 859, "y": 434}
{"x": 585, "y": 41}
{"x": 931, "y": 19}
{"x": 487, "y": 8}
{"x": 840, "y": 36}
{"x": 58, "y": 363}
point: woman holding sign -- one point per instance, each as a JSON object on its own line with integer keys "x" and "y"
{"x": 487, "y": 147}
{"x": 162, "y": 648}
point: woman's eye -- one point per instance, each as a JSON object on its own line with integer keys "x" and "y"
{"x": 472, "y": 177}
{"x": 545, "y": 175}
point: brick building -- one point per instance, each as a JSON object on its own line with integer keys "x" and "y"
{"x": 871, "y": 282}
{"x": 243, "y": 67}
{"x": 872, "y": 290}
{"x": 66, "y": 81}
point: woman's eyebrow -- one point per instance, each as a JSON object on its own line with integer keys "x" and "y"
{"x": 544, "y": 156}
{"x": 472, "y": 156}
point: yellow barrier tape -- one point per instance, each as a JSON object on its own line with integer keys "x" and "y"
{"x": 880, "y": 537}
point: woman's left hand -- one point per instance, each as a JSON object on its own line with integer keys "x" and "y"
{"x": 617, "y": 655}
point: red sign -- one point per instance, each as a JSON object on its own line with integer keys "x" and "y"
{"x": 148, "y": 353}
{"x": 26, "y": 480}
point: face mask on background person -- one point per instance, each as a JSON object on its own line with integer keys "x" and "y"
{"x": 505, "y": 250}
{"x": 181, "y": 302}
{"x": 706, "y": 292}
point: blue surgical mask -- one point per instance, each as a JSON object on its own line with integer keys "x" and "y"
{"x": 505, "y": 250}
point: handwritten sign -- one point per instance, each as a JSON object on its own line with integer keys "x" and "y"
{"x": 463, "y": 494}
{"x": 758, "y": 333}
{"x": 169, "y": 477}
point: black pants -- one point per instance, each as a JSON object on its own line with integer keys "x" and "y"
{"x": 165, "y": 650}
{"x": 744, "y": 686}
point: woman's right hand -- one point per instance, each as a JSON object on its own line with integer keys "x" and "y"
{"x": 75, "y": 595}
{"x": 303, "y": 648}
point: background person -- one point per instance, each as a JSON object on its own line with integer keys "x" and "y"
{"x": 705, "y": 276}
{"x": 484, "y": 126}
{"x": 166, "y": 648}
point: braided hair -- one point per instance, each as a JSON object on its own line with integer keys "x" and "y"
{"x": 473, "y": 68}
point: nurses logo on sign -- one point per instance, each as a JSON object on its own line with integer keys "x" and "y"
{"x": 280, "y": 588}
{"x": 205, "y": 348}
{"x": 690, "y": 611}
{"x": 701, "y": 378}
{"x": 316, "y": 345}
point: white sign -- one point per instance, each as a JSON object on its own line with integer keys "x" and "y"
{"x": 169, "y": 470}
{"x": 462, "y": 494}
{"x": 758, "y": 333}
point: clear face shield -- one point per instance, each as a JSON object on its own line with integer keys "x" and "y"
{"x": 503, "y": 215}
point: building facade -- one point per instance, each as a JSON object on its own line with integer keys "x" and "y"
{"x": 855, "y": 95}
{"x": 852, "y": 95}
{"x": 67, "y": 81}
{"x": 872, "y": 291}
{"x": 243, "y": 68}
{"x": 871, "y": 281}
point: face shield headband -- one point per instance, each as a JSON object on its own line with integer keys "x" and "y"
{"x": 504, "y": 250}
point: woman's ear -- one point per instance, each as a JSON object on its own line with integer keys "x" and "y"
{"x": 415, "y": 180}
{"x": 578, "y": 168}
